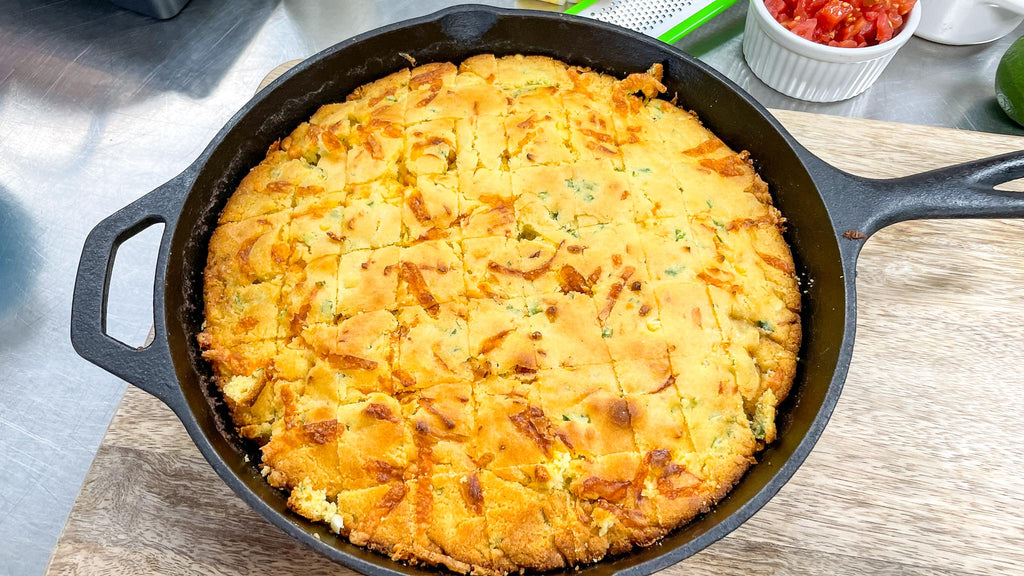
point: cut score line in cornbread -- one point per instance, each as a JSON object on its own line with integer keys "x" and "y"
{"x": 507, "y": 315}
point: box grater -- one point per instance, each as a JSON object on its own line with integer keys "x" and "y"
{"x": 666, "y": 20}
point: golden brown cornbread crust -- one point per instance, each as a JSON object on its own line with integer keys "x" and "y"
{"x": 505, "y": 316}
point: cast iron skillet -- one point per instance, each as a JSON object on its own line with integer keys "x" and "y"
{"x": 820, "y": 202}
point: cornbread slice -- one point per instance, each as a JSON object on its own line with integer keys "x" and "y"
{"x": 504, "y": 315}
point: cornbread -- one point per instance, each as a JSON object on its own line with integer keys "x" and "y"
{"x": 501, "y": 316}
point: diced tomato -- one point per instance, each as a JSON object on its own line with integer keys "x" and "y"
{"x": 869, "y": 30}
{"x": 800, "y": 10}
{"x": 844, "y": 23}
{"x": 805, "y": 28}
{"x": 853, "y": 29}
{"x": 807, "y": 8}
{"x": 775, "y": 7}
{"x": 834, "y": 12}
{"x": 884, "y": 27}
{"x": 815, "y": 5}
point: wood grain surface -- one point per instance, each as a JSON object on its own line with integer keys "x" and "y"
{"x": 920, "y": 471}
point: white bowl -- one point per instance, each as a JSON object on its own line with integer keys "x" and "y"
{"x": 961, "y": 22}
{"x": 810, "y": 71}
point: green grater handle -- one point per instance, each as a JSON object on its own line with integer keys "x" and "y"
{"x": 579, "y": 6}
{"x": 676, "y": 33}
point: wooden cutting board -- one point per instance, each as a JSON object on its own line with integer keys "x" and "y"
{"x": 920, "y": 471}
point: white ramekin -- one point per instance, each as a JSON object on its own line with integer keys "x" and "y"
{"x": 810, "y": 71}
{"x": 961, "y": 22}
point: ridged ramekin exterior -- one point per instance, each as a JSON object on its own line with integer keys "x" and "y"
{"x": 813, "y": 72}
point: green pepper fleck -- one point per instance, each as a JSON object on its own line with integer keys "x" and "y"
{"x": 758, "y": 429}
{"x": 327, "y": 308}
{"x": 580, "y": 186}
{"x": 527, "y": 233}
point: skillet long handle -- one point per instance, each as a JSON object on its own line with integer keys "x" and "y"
{"x": 147, "y": 367}
{"x": 862, "y": 206}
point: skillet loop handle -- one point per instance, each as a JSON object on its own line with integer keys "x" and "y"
{"x": 148, "y": 367}
{"x": 959, "y": 191}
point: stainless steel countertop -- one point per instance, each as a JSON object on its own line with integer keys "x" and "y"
{"x": 98, "y": 106}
